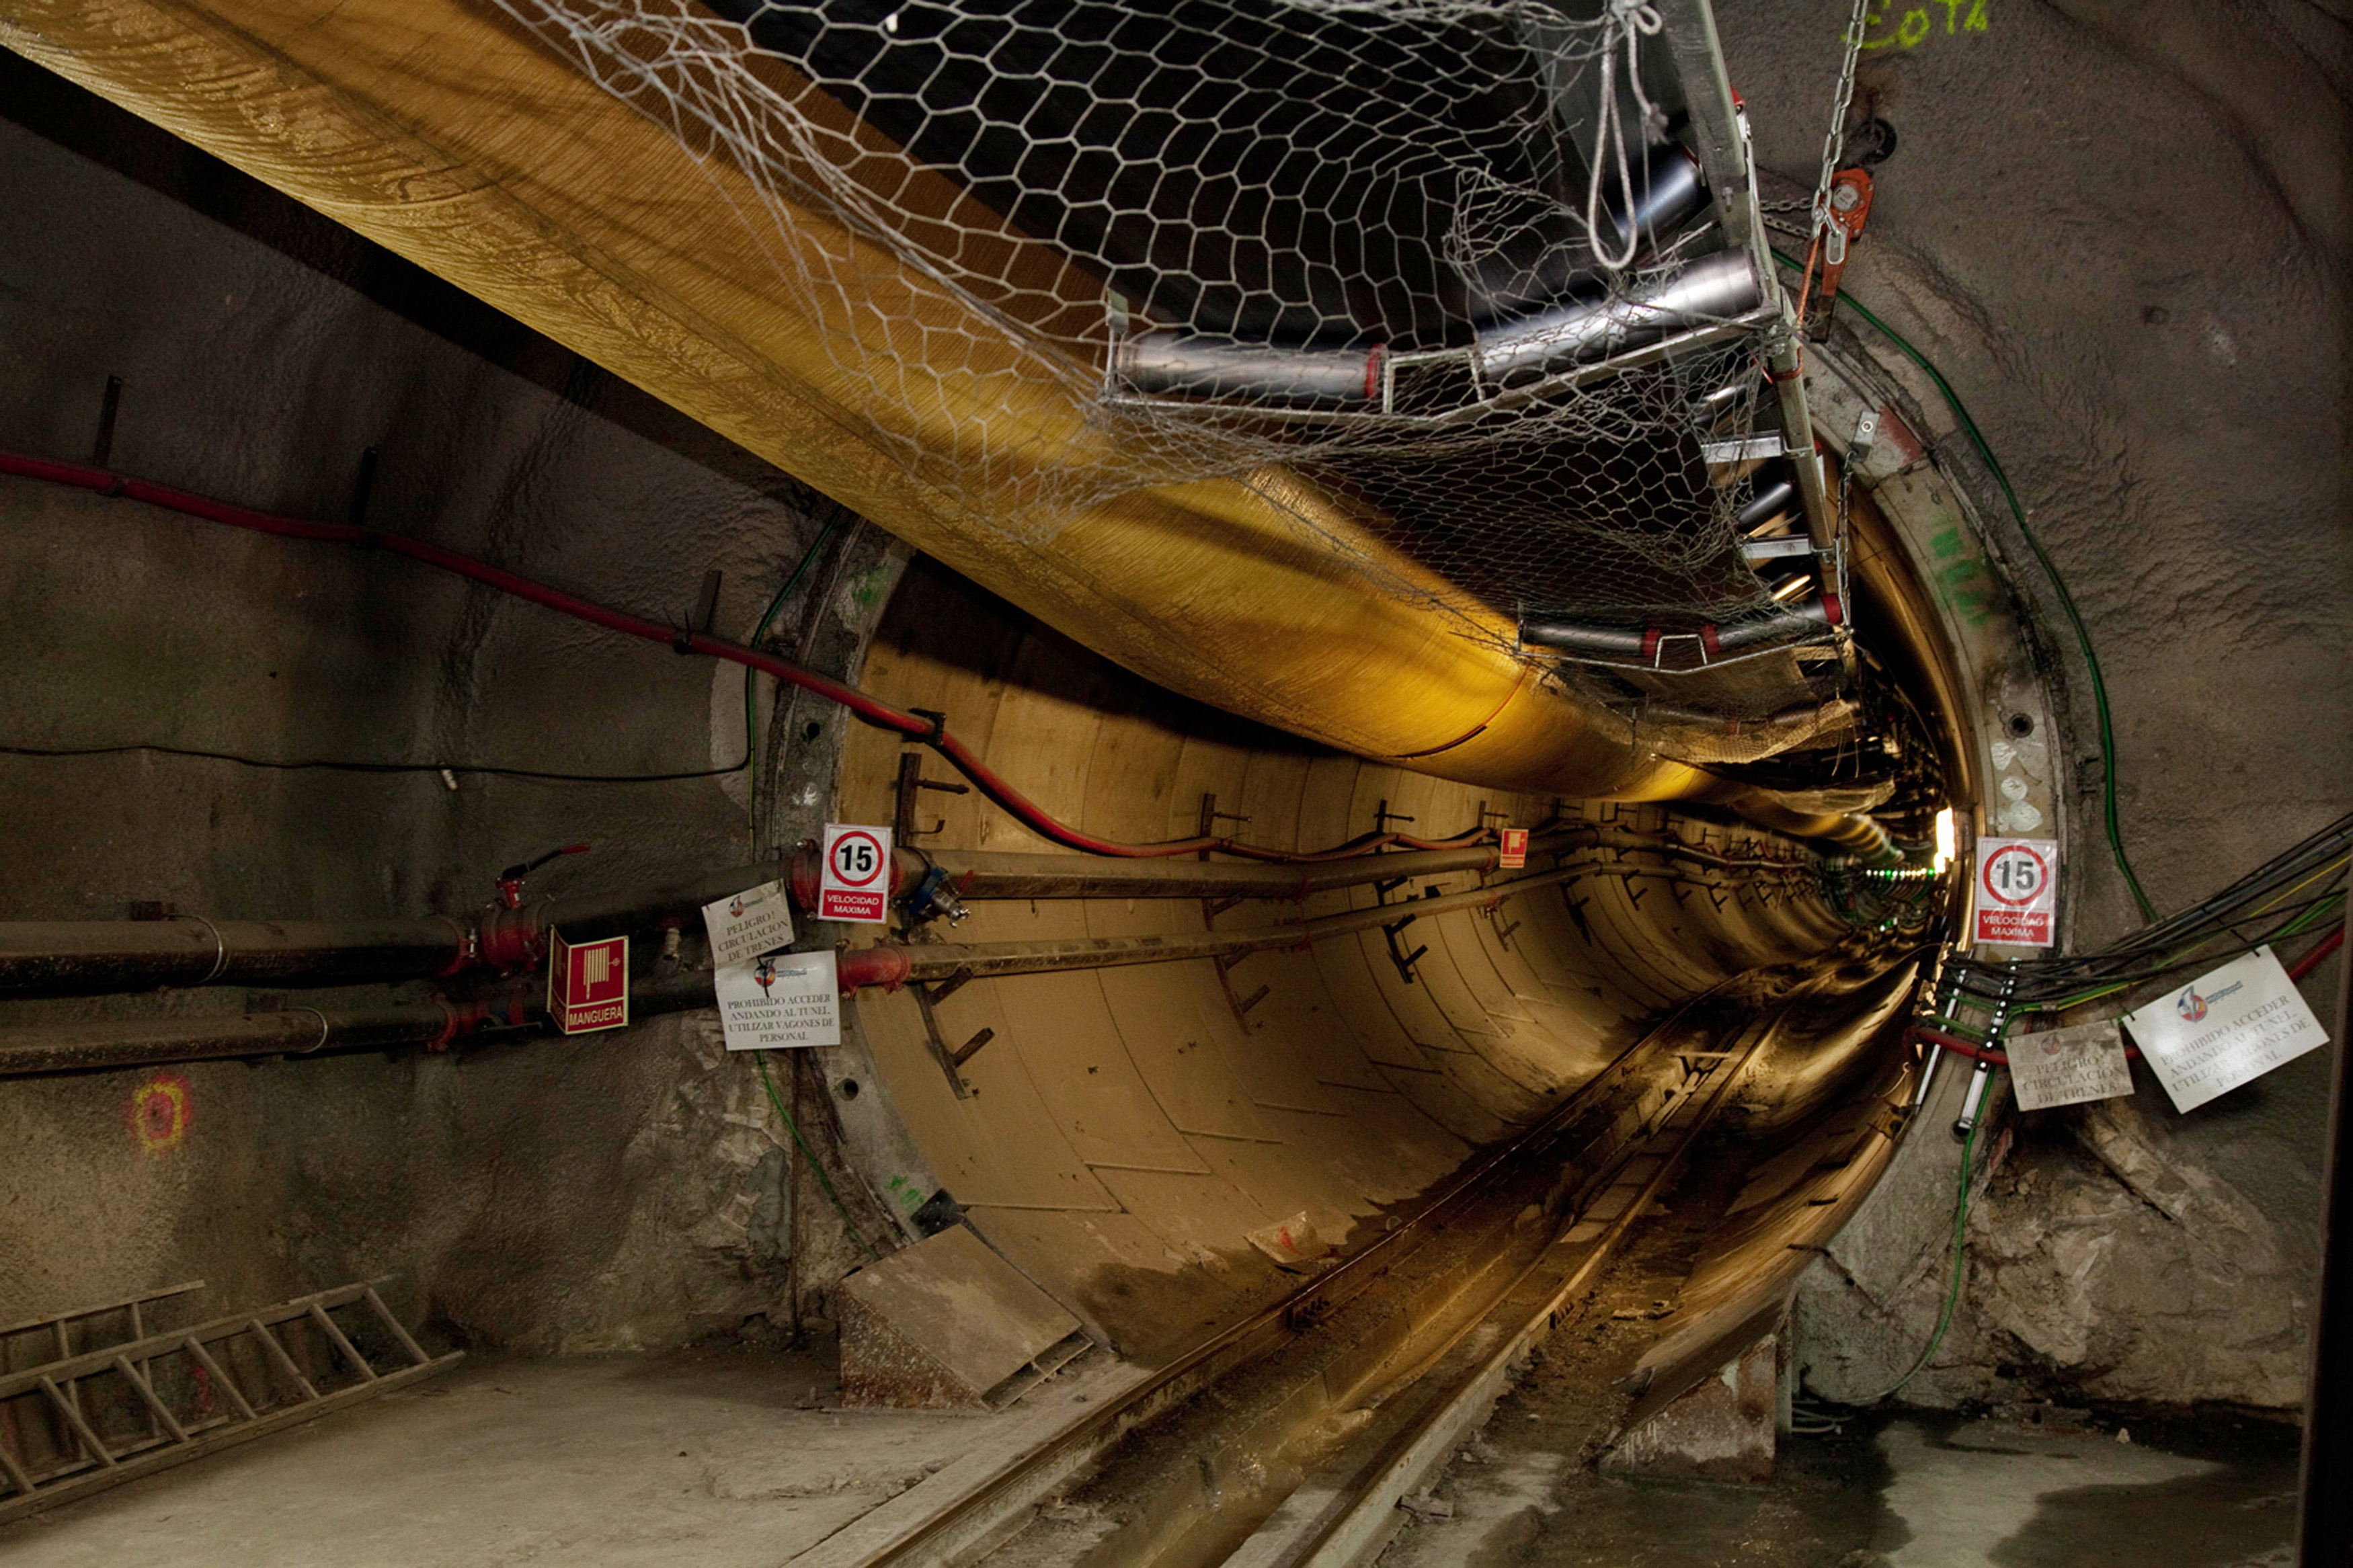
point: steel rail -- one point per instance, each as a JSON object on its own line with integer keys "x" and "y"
{"x": 1362, "y": 1521}
{"x": 971, "y": 1520}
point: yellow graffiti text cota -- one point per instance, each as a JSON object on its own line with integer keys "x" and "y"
{"x": 1915, "y": 24}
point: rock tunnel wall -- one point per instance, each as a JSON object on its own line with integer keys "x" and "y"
{"x": 623, "y": 1189}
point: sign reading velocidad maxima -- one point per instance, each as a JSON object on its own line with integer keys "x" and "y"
{"x": 2224, "y": 1030}
{"x": 2017, "y": 892}
{"x": 854, "y": 883}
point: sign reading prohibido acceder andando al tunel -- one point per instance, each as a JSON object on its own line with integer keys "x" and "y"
{"x": 2225, "y": 1028}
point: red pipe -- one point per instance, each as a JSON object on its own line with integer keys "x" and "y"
{"x": 885, "y": 965}
{"x": 1971, "y": 1048}
{"x": 2322, "y": 949}
{"x": 872, "y": 710}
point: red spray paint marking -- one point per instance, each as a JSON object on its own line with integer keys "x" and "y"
{"x": 159, "y": 1114}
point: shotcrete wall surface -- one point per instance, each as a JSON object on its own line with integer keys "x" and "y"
{"x": 606, "y": 1190}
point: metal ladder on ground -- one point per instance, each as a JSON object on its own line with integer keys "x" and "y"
{"x": 84, "y": 1421}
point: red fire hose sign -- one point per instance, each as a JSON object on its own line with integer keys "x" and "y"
{"x": 2018, "y": 891}
{"x": 855, "y": 883}
{"x": 1515, "y": 853}
{"x": 588, "y": 983}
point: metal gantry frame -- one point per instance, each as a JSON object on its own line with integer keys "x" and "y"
{"x": 1720, "y": 140}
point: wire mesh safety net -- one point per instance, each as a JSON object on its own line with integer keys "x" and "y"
{"x": 1451, "y": 263}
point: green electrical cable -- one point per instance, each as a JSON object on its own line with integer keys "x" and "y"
{"x": 752, "y": 680}
{"x": 1960, "y": 1272}
{"x": 2049, "y": 570}
{"x": 2320, "y": 911}
{"x": 760, "y": 1060}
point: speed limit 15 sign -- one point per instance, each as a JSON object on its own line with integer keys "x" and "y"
{"x": 854, "y": 883}
{"x": 2018, "y": 891}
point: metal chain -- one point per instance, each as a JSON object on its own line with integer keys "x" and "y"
{"x": 1834, "y": 141}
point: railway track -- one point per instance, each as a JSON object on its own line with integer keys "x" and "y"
{"x": 1289, "y": 1439}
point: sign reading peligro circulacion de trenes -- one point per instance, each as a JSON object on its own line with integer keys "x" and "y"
{"x": 753, "y": 921}
{"x": 2069, "y": 1067}
{"x": 2225, "y": 1028}
{"x": 2017, "y": 892}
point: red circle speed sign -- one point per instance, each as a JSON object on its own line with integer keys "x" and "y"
{"x": 857, "y": 859}
{"x": 2015, "y": 875}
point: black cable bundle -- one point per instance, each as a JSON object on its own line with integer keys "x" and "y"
{"x": 2238, "y": 915}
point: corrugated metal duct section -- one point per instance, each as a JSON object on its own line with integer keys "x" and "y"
{"x": 1125, "y": 1128}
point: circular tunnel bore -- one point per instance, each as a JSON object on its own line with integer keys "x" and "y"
{"x": 1120, "y": 1131}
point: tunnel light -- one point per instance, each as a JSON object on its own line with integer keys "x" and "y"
{"x": 1944, "y": 838}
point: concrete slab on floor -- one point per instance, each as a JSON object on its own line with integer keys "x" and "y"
{"x": 695, "y": 1459}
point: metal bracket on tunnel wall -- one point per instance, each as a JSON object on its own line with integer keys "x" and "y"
{"x": 1393, "y": 932}
{"x": 951, "y": 1061}
{"x": 1240, "y": 1005}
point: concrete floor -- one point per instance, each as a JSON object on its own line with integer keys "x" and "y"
{"x": 718, "y": 1458}
{"x": 697, "y": 1459}
{"x": 1900, "y": 1493}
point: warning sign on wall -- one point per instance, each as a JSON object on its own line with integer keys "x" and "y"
{"x": 2225, "y": 1028}
{"x": 755, "y": 921}
{"x": 2069, "y": 1067}
{"x": 2018, "y": 891}
{"x": 588, "y": 983}
{"x": 1515, "y": 850}
{"x": 854, "y": 883}
{"x": 783, "y": 1000}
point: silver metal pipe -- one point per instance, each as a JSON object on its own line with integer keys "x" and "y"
{"x": 1572, "y": 637}
{"x": 1187, "y": 365}
{"x": 1669, "y": 192}
{"x": 1714, "y": 287}
{"x": 1768, "y": 505}
{"x": 1803, "y": 621}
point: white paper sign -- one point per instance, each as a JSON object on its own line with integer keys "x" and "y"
{"x": 785, "y": 999}
{"x": 854, "y": 882}
{"x": 2068, "y": 1067}
{"x": 2224, "y": 1030}
{"x": 755, "y": 921}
